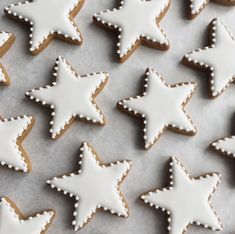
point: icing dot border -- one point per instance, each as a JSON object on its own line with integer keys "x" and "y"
{"x": 216, "y": 147}
{"x": 98, "y": 207}
{"x": 18, "y": 143}
{"x": 121, "y": 105}
{"x": 187, "y": 60}
{"x": 19, "y": 216}
{"x": 98, "y": 89}
{"x": 142, "y": 39}
{"x": 170, "y": 187}
{"x": 47, "y": 38}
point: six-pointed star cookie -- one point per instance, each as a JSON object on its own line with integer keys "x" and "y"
{"x": 187, "y": 200}
{"x": 196, "y": 6}
{"x": 161, "y": 106}
{"x": 12, "y": 221}
{"x": 48, "y": 19}
{"x": 12, "y": 133}
{"x": 95, "y": 186}
{"x": 71, "y": 96}
{"x": 6, "y": 41}
{"x": 136, "y": 21}
{"x": 225, "y": 145}
{"x": 218, "y": 58}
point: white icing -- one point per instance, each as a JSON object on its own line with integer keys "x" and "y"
{"x": 219, "y": 57}
{"x": 136, "y": 19}
{"x": 187, "y": 200}
{"x": 11, "y": 223}
{"x": 4, "y": 37}
{"x": 47, "y": 17}
{"x": 161, "y": 106}
{"x": 196, "y": 6}
{"x": 225, "y": 145}
{"x": 70, "y": 96}
{"x": 95, "y": 186}
{"x": 2, "y": 76}
{"x": 10, "y": 131}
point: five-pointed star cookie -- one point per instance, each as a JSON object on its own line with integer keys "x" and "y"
{"x": 12, "y": 221}
{"x": 48, "y": 19}
{"x": 225, "y": 145}
{"x": 95, "y": 186}
{"x": 161, "y": 106}
{"x": 71, "y": 96}
{"x": 218, "y": 58}
{"x": 186, "y": 200}
{"x": 6, "y": 41}
{"x": 136, "y": 21}
{"x": 12, "y": 133}
{"x": 196, "y": 6}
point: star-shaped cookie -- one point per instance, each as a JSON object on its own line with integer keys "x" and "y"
{"x": 12, "y": 133}
{"x": 217, "y": 58}
{"x": 95, "y": 186}
{"x": 6, "y": 41}
{"x": 48, "y": 19}
{"x": 12, "y": 221}
{"x": 137, "y": 22}
{"x": 187, "y": 200}
{"x": 71, "y": 96}
{"x": 196, "y": 6}
{"x": 161, "y": 106}
{"x": 225, "y": 145}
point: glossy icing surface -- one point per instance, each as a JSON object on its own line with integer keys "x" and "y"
{"x": 95, "y": 186}
{"x": 10, "y": 131}
{"x": 136, "y": 19}
{"x": 218, "y": 57}
{"x": 45, "y": 21}
{"x": 70, "y": 96}
{"x": 11, "y": 223}
{"x": 161, "y": 106}
{"x": 187, "y": 200}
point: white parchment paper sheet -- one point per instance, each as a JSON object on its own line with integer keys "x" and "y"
{"x": 121, "y": 137}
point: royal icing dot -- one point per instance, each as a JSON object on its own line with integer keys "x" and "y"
{"x": 187, "y": 200}
{"x": 13, "y": 222}
{"x": 95, "y": 186}
{"x": 136, "y": 21}
{"x": 70, "y": 96}
{"x": 48, "y": 18}
{"x": 12, "y": 132}
{"x": 217, "y": 58}
{"x": 161, "y": 106}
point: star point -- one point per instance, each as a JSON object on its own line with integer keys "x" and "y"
{"x": 217, "y": 58}
{"x": 225, "y": 146}
{"x": 46, "y": 24}
{"x": 6, "y": 41}
{"x": 196, "y": 6}
{"x": 12, "y": 133}
{"x": 137, "y": 22}
{"x": 95, "y": 186}
{"x": 71, "y": 96}
{"x": 187, "y": 200}
{"x": 13, "y": 221}
{"x": 161, "y": 106}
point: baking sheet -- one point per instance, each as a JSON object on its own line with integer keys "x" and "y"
{"x": 121, "y": 137}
